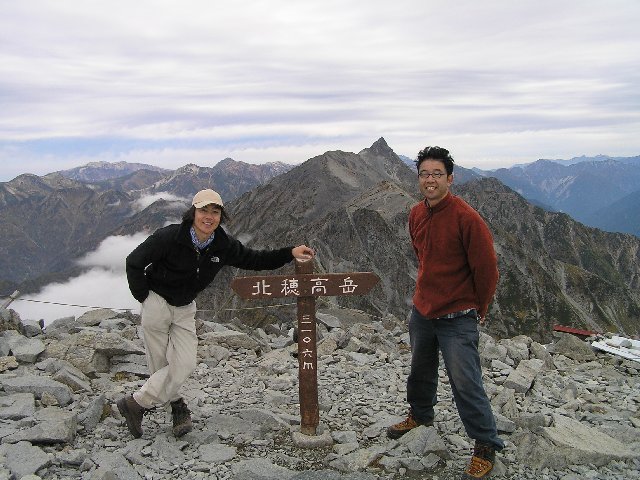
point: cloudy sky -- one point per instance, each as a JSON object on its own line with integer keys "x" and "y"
{"x": 194, "y": 81}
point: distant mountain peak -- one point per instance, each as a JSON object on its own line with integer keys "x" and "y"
{"x": 380, "y": 147}
{"x": 188, "y": 168}
{"x": 101, "y": 171}
{"x": 226, "y": 161}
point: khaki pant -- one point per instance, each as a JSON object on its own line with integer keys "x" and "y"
{"x": 171, "y": 346}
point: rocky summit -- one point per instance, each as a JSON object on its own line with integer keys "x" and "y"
{"x": 565, "y": 411}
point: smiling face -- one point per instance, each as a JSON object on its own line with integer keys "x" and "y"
{"x": 206, "y": 220}
{"x": 434, "y": 189}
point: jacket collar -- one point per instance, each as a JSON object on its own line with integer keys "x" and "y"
{"x": 441, "y": 205}
{"x": 219, "y": 241}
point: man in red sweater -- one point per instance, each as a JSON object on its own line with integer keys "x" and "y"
{"x": 457, "y": 278}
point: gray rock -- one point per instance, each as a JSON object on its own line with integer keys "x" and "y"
{"x": 31, "y": 328}
{"x": 259, "y": 469}
{"x": 322, "y": 439}
{"x": 532, "y": 421}
{"x": 93, "y": 318}
{"x": 541, "y": 353}
{"x": 577, "y": 443}
{"x": 36, "y": 385}
{"x": 72, "y": 457}
{"x": 24, "y": 349}
{"x": 73, "y": 378}
{"x": 423, "y": 440}
{"x": 216, "y": 453}
{"x": 168, "y": 449}
{"x": 9, "y": 319}
{"x": 264, "y": 418}
{"x": 327, "y": 346}
{"x": 344, "y": 448}
{"x": 348, "y": 436}
{"x": 358, "y": 460}
{"x": 330, "y": 321}
{"x": 413, "y": 464}
{"x": 229, "y": 426}
{"x": 90, "y": 350}
{"x": 53, "y": 425}
{"x": 92, "y": 415}
{"x": 503, "y": 424}
{"x": 65, "y": 325}
{"x": 231, "y": 339}
{"x": 17, "y": 406}
{"x": 333, "y": 475}
{"x": 24, "y": 459}
{"x": 114, "y": 465}
{"x": 523, "y": 376}
{"x": 572, "y": 347}
{"x": 8, "y": 363}
{"x": 517, "y": 349}
{"x": 114, "y": 324}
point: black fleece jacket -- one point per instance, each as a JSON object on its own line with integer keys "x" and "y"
{"x": 168, "y": 263}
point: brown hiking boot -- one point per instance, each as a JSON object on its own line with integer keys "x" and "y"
{"x": 481, "y": 464}
{"x": 132, "y": 413}
{"x": 399, "y": 429}
{"x": 181, "y": 418}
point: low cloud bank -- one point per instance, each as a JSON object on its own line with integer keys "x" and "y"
{"x": 145, "y": 201}
{"x": 103, "y": 285}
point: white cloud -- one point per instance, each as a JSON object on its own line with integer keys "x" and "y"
{"x": 103, "y": 285}
{"x": 143, "y": 202}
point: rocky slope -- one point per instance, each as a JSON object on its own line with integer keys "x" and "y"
{"x": 565, "y": 411}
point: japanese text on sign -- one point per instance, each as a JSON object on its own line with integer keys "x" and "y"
{"x": 292, "y": 287}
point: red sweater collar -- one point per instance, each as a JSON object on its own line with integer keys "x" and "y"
{"x": 441, "y": 205}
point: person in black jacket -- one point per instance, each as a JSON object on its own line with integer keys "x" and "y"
{"x": 165, "y": 273}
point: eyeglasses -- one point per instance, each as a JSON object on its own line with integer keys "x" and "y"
{"x": 436, "y": 175}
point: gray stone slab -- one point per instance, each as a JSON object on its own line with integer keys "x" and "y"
{"x": 581, "y": 444}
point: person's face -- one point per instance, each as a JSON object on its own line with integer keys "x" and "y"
{"x": 206, "y": 221}
{"x": 434, "y": 188}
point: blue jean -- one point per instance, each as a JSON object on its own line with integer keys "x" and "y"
{"x": 457, "y": 339}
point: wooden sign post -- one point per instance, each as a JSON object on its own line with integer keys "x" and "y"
{"x": 306, "y": 286}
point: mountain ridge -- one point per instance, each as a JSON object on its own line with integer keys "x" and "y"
{"x": 580, "y": 189}
{"x": 352, "y": 208}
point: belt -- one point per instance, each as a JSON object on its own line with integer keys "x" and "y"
{"x": 461, "y": 313}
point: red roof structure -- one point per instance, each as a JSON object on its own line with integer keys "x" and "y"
{"x": 574, "y": 331}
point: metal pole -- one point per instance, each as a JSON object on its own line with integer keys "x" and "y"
{"x": 10, "y": 299}
{"x": 307, "y": 358}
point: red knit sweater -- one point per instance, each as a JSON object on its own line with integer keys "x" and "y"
{"x": 457, "y": 264}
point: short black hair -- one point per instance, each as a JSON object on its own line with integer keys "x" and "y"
{"x": 189, "y": 215}
{"x": 435, "y": 153}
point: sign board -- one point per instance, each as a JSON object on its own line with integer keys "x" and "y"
{"x": 305, "y": 286}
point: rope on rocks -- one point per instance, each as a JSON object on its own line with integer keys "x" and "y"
{"x": 199, "y": 310}
{"x": 131, "y": 309}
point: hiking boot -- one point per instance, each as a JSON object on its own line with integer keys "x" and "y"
{"x": 481, "y": 464}
{"x": 132, "y": 413}
{"x": 399, "y": 429}
{"x": 181, "y": 418}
